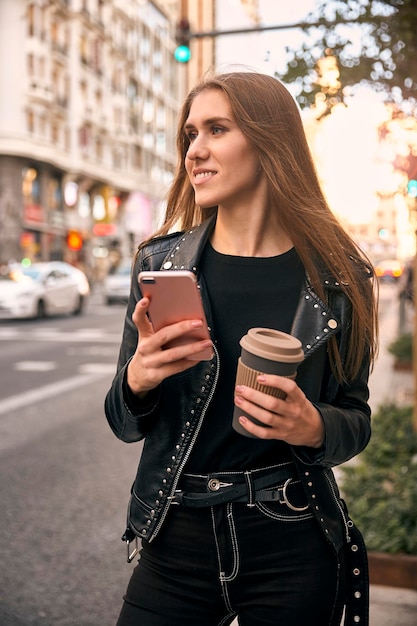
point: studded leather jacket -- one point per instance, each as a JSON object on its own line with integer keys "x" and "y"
{"x": 171, "y": 416}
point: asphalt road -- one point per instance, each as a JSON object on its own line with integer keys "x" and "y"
{"x": 65, "y": 477}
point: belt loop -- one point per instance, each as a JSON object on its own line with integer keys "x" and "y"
{"x": 250, "y": 487}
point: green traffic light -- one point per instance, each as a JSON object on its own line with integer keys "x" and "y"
{"x": 412, "y": 188}
{"x": 182, "y": 54}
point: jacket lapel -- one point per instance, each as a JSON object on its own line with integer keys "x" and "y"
{"x": 186, "y": 253}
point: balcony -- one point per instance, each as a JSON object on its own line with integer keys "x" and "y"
{"x": 39, "y": 92}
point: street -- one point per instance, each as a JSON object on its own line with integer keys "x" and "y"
{"x": 66, "y": 478}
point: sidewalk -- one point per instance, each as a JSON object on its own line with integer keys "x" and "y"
{"x": 385, "y": 383}
{"x": 391, "y": 606}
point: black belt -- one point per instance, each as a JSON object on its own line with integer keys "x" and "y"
{"x": 248, "y": 487}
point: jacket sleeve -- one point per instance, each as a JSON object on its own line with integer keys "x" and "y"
{"x": 347, "y": 424}
{"x": 128, "y": 417}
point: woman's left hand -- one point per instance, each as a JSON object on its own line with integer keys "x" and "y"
{"x": 294, "y": 419}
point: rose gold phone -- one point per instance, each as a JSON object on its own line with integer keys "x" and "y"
{"x": 174, "y": 297}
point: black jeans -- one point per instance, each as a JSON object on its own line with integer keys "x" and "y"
{"x": 266, "y": 564}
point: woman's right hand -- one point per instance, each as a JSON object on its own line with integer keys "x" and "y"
{"x": 151, "y": 363}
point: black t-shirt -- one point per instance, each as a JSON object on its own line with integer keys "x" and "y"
{"x": 244, "y": 292}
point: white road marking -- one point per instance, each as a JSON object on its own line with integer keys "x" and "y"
{"x": 46, "y": 330}
{"x": 88, "y": 334}
{"x": 94, "y": 351}
{"x": 34, "y": 366}
{"x": 9, "y": 333}
{"x": 47, "y": 391}
{"x": 97, "y": 368}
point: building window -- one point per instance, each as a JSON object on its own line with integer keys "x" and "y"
{"x": 55, "y": 133}
{"x": 99, "y": 150}
{"x": 42, "y": 67}
{"x": 67, "y": 140}
{"x": 160, "y": 142}
{"x": 161, "y": 117}
{"x": 42, "y": 125}
{"x": 84, "y": 49}
{"x": 137, "y": 158}
{"x": 54, "y": 196}
{"x": 97, "y": 56}
{"x": 30, "y": 186}
{"x": 30, "y": 121}
{"x": 148, "y": 110}
{"x": 84, "y": 136}
{"x": 117, "y": 117}
{"x": 99, "y": 101}
{"x": 31, "y": 20}
{"x": 54, "y": 35}
{"x": 30, "y": 65}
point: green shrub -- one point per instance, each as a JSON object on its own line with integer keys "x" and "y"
{"x": 381, "y": 487}
{"x": 402, "y": 347}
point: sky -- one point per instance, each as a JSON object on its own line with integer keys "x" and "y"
{"x": 282, "y": 12}
{"x": 263, "y": 51}
{"x": 345, "y": 145}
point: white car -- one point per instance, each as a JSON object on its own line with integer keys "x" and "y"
{"x": 42, "y": 289}
{"x": 117, "y": 283}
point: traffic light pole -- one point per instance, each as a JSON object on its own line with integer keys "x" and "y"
{"x": 184, "y": 34}
{"x": 258, "y": 29}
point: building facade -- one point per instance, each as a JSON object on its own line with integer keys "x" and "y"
{"x": 87, "y": 125}
{"x": 91, "y": 93}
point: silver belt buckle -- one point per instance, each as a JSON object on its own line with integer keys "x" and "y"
{"x": 214, "y": 484}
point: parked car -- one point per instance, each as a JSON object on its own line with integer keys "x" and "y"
{"x": 42, "y": 289}
{"x": 389, "y": 270}
{"x": 117, "y": 283}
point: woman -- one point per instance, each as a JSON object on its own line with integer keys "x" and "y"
{"x": 267, "y": 251}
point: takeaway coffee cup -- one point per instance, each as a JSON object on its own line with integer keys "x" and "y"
{"x": 265, "y": 351}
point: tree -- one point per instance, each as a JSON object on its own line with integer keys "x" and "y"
{"x": 379, "y": 48}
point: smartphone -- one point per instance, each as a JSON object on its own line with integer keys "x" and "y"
{"x": 174, "y": 296}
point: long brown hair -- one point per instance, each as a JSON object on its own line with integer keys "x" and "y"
{"x": 269, "y": 118}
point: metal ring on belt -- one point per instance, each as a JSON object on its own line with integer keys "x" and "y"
{"x": 287, "y": 502}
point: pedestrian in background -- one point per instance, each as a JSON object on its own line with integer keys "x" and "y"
{"x": 255, "y": 228}
{"x": 406, "y": 296}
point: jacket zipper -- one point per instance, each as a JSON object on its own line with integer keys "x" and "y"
{"x": 346, "y": 522}
{"x": 190, "y": 447}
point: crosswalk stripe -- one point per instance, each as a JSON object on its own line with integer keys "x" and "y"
{"x": 47, "y": 391}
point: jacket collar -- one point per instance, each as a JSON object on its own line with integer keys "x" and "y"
{"x": 186, "y": 253}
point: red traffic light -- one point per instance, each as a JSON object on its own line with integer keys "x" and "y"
{"x": 74, "y": 240}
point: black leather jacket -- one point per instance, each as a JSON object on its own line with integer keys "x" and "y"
{"x": 171, "y": 417}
